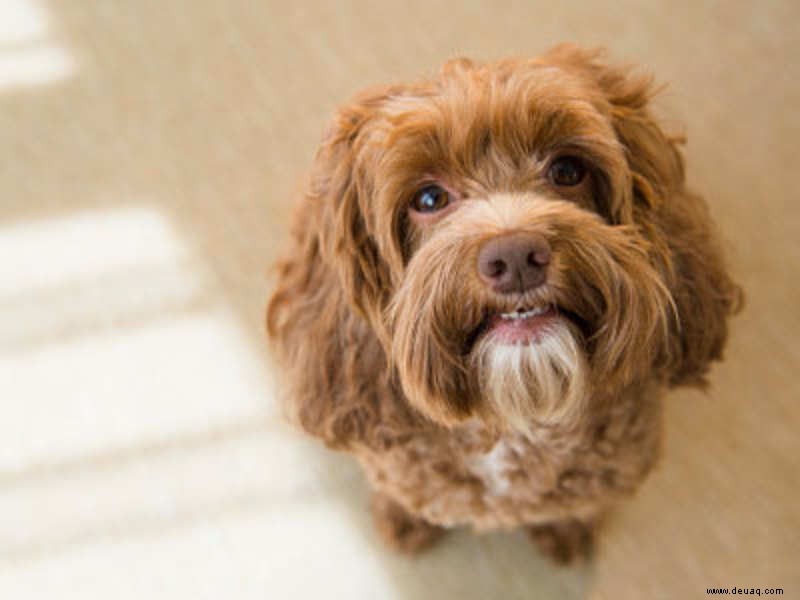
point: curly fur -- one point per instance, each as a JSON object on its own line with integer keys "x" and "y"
{"x": 374, "y": 311}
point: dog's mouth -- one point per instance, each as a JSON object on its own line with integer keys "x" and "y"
{"x": 522, "y": 326}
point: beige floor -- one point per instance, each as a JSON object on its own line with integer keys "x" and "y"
{"x": 148, "y": 153}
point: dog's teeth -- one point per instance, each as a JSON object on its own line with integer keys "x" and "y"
{"x": 533, "y": 312}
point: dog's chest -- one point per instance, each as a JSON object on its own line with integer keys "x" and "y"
{"x": 468, "y": 476}
{"x": 493, "y": 468}
{"x": 494, "y": 485}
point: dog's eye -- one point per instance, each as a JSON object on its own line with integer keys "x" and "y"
{"x": 567, "y": 171}
{"x": 430, "y": 199}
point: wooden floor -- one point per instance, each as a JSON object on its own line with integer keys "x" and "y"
{"x": 148, "y": 160}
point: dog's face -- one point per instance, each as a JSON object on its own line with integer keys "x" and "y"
{"x": 505, "y": 230}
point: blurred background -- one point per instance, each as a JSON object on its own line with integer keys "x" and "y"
{"x": 149, "y": 155}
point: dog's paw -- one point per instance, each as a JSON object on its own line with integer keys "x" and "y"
{"x": 400, "y": 530}
{"x": 565, "y": 542}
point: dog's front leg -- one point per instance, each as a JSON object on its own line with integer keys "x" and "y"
{"x": 564, "y": 542}
{"x": 401, "y": 530}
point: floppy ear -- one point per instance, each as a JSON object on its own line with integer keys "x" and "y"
{"x": 340, "y": 183}
{"x": 684, "y": 244}
{"x": 330, "y": 285}
{"x": 705, "y": 296}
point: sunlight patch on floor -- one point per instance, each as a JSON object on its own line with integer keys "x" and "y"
{"x": 28, "y": 54}
{"x": 139, "y": 428}
{"x": 113, "y": 332}
{"x": 303, "y": 551}
{"x": 59, "y": 250}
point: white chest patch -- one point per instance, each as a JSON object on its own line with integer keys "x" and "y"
{"x": 491, "y": 468}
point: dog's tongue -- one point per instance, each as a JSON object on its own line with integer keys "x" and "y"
{"x": 522, "y": 330}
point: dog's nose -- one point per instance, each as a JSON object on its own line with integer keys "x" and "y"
{"x": 515, "y": 262}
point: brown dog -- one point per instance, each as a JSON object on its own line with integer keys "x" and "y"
{"x": 494, "y": 275}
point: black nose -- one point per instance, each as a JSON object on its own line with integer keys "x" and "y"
{"x": 515, "y": 262}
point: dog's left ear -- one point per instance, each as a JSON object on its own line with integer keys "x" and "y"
{"x": 684, "y": 244}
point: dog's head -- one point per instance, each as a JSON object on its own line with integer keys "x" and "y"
{"x": 518, "y": 237}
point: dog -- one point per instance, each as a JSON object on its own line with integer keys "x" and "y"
{"x": 493, "y": 276}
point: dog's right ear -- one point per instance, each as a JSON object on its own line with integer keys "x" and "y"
{"x": 330, "y": 246}
{"x": 342, "y": 191}
{"x": 329, "y": 286}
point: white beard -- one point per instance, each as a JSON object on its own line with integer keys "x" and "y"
{"x": 539, "y": 383}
